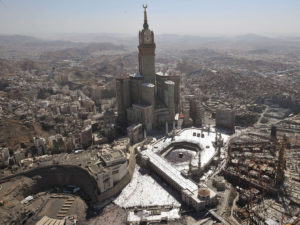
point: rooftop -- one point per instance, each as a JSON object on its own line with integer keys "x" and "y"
{"x": 148, "y": 85}
{"x": 112, "y": 157}
{"x": 169, "y": 82}
{"x": 95, "y": 160}
{"x": 136, "y": 75}
{"x": 170, "y": 171}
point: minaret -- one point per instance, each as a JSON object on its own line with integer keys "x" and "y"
{"x": 199, "y": 160}
{"x": 199, "y": 164}
{"x": 147, "y": 51}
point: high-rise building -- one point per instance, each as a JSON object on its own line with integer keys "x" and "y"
{"x": 146, "y": 97}
{"x": 225, "y": 118}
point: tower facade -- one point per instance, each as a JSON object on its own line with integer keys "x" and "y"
{"x": 146, "y": 97}
{"x": 147, "y": 52}
{"x": 123, "y": 98}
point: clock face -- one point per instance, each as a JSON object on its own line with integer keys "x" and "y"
{"x": 147, "y": 36}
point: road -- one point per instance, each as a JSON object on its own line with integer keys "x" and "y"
{"x": 224, "y": 201}
{"x": 258, "y": 123}
{"x": 234, "y": 207}
{"x": 213, "y": 213}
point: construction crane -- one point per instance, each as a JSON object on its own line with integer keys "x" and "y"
{"x": 282, "y": 218}
{"x": 250, "y": 197}
{"x": 230, "y": 150}
{"x": 239, "y": 170}
{"x": 263, "y": 184}
{"x": 281, "y": 161}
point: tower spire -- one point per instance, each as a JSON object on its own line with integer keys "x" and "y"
{"x": 145, "y": 17}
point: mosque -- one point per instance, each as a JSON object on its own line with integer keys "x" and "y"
{"x": 147, "y": 97}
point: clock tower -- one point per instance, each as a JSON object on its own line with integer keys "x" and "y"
{"x": 147, "y": 51}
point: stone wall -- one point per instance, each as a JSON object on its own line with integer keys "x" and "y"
{"x": 48, "y": 177}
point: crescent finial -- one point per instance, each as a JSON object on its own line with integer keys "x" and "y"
{"x": 145, "y": 6}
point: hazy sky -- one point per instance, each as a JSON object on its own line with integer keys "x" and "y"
{"x": 196, "y": 17}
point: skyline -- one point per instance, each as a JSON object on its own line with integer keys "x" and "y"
{"x": 225, "y": 17}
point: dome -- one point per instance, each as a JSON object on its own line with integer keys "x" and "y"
{"x": 203, "y": 193}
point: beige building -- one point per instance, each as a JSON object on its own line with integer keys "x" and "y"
{"x": 135, "y": 133}
{"x": 146, "y": 97}
{"x": 200, "y": 200}
{"x": 19, "y": 155}
{"x": 4, "y": 157}
{"x": 192, "y": 111}
{"x": 113, "y": 167}
{"x": 40, "y": 145}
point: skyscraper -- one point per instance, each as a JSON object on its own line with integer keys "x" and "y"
{"x": 146, "y": 97}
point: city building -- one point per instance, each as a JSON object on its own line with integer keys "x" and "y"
{"x": 114, "y": 169}
{"x": 192, "y": 111}
{"x": 146, "y": 97}
{"x": 4, "y": 157}
{"x": 86, "y": 137}
{"x": 135, "y": 133}
{"x": 225, "y": 118}
{"x": 40, "y": 145}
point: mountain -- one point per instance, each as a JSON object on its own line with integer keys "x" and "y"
{"x": 19, "y": 46}
{"x": 72, "y": 46}
{"x": 84, "y": 52}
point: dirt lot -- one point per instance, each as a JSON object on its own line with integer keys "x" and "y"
{"x": 111, "y": 214}
{"x": 13, "y": 132}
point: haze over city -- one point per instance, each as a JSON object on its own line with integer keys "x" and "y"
{"x": 149, "y": 112}
{"x": 191, "y": 17}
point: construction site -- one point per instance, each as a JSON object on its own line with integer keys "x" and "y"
{"x": 256, "y": 167}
